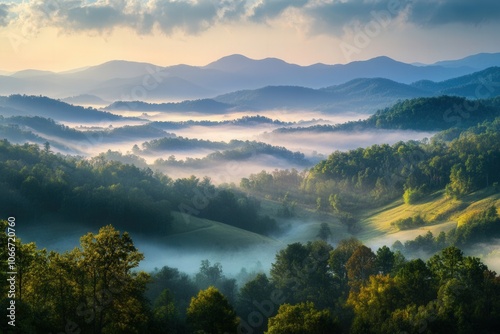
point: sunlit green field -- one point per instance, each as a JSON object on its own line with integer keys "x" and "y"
{"x": 441, "y": 213}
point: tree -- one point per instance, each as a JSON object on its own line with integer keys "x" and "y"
{"x": 385, "y": 260}
{"x": 165, "y": 314}
{"x": 211, "y": 313}
{"x": 447, "y": 264}
{"x": 287, "y": 209}
{"x": 348, "y": 220}
{"x": 302, "y": 272}
{"x": 360, "y": 266}
{"x": 460, "y": 182}
{"x": 180, "y": 286}
{"x": 338, "y": 261}
{"x": 374, "y": 304}
{"x": 114, "y": 292}
{"x": 324, "y": 232}
{"x": 209, "y": 274}
{"x": 58, "y": 275}
{"x": 46, "y": 148}
{"x": 477, "y": 228}
{"x": 415, "y": 282}
{"x": 336, "y": 202}
{"x": 412, "y": 195}
{"x": 302, "y": 318}
{"x": 212, "y": 275}
{"x": 256, "y": 302}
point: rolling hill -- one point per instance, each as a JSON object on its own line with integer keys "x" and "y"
{"x": 201, "y": 106}
{"x": 419, "y": 114}
{"x": 199, "y": 233}
{"x": 275, "y": 97}
{"x": 441, "y": 213}
{"x": 85, "y": 99}
{"x": 478, "y": 85}
{"x": 24, "y": 105}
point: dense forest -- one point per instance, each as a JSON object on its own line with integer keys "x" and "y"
{"x": 311, "y": 288}
{"x": 369, "y": 177}
{"x": 39, "y": 185}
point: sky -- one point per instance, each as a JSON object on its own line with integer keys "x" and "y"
{"x": 60, "y": 35}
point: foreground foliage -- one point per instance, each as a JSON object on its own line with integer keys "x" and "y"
{"x": 94, "y": 288}
{"x": 313, "y": 288}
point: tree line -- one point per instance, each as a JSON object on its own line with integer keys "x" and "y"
{"x": 311, "y": 288}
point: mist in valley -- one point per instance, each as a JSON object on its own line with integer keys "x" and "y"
{"x": 241, "y": 263}
{"x": 103, "y": 136}
{"x": 324, "y": 143}
{"x": 237, "y": 261}
{"x": 100, "y": 137}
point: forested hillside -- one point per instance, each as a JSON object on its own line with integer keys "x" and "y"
{"x": 372, "y": 175}
{"x": 423, "y": 113}
{"x": 39, "y": 185}
{"x": 26, "y": 105}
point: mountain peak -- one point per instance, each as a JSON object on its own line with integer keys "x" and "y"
{"x": 243, "y": 64}
{"x": 115, "y": 69}
{"x": 382, "y": 60}
{"x": 231, "y": 62}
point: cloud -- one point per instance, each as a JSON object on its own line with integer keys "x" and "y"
{"x": 196, "y": 16}
{"x": 104, "y": 15}
{"x": 4, "y": 12}
{"x": 333, "y": 17}
{"x": 191, "y": 17}
{"x": 433, "y": 13}
{"x": 231, "y": 10}
{"x": 95, "y": 17}
{"x": 336, "y": 16}
{"x": 268, "y": 9}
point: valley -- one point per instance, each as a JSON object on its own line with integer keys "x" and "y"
{"x": 249, "y": 167}
{"x": 235, "y": 179}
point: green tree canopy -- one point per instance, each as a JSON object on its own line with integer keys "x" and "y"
{"x": 302, "y": 318}
{"x": 211, "y": 313}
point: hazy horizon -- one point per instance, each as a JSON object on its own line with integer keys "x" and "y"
{"x": 64, "y": 35}
{"x": 4, "y": 71}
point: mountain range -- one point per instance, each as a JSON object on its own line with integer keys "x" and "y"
{"x": 125, "y": 80}
{"x": 365, "y": 95}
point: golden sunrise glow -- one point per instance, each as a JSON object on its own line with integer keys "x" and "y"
{"x": 31, "y": 38}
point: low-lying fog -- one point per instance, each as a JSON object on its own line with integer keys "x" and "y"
{"x": 280, "y": 115}
{"x": 66, "y": 237}
{"x": 230, "y": 171}
{"x": 259, "y": 258}
{"x": 328, "y": 142}
{"x": 254, "y": 259}
{"x": 315, "y": 146}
